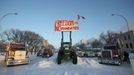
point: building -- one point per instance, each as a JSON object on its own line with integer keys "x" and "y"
{"x": 128, "y": 41}
{"x": 84, "y": 41}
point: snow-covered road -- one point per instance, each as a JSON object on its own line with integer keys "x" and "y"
{"x": 44, "y": 66}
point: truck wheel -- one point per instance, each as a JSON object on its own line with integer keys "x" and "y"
{"x": 100, "y": 63}
{"x": 100, "y": 60}
{"x": 5, "y": 59}
{"x": 119, "y": 63}
{"x": 37, "y": 55}
{"x": 43, "y": 56}
{"x": 74, "y": 58}
{"x": 59, "y": 57}
{"x": 8, "y": 65}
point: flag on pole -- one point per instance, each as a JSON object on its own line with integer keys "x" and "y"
{"x": 79, "y": 17}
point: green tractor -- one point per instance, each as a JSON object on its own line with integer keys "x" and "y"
{"x": 66, "y": 51}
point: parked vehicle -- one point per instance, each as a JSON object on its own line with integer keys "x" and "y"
{"x": 110, "y": 54}
{"x": 80, "y": 53}
{"x": 89, "y": 53}
{"x": 45, "y": 53}
{"x": 85, "y": 53}
{"x": 16, "y": 54}
{"x": 39, "y": 53}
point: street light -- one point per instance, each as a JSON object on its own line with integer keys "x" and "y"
{"x": 123, "y": 18}
{"x": 5, "y": 16}
{"x": 2, "y": 19}
{"x": 126, "y": 23}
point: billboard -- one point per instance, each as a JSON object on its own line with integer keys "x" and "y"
{"x": 66, "y": 25}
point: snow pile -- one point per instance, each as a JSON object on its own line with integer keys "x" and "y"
{"x": 131, "y": 56}
{"x": 51, "y": 62}
{"x": 45, "y": 64}
{"x": 2, "y": 56}
{"x": 88, "y": 62}
{"x": 85, "y": 66}
{"x": 81, "y": 61}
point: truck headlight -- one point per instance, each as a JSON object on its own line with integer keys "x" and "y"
{"x": 9, "y": 59}
{"x": 19, "y": 61}
{"x": 116, "y": 55}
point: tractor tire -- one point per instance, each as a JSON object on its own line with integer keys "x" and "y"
{"x": 59, "y": 57}
{"x": 74, "y": 57}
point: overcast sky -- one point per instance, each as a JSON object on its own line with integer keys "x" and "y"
{"x": 39, "y": 16}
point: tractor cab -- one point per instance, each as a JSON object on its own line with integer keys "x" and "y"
{"x": 66, "y": 49}
{"x": 66, "y": 45}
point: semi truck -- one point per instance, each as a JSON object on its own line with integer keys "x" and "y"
{"x": 16, "y": 54}
{"x": 110, "y": 54}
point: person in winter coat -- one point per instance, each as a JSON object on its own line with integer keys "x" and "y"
{"x": 126, "y": 56}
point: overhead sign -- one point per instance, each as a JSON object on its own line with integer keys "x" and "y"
{"x": 66, "y": 25}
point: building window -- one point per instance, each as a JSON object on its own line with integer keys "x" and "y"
{"x": 125, "y": 38}
{"x": 128, "y": 37}
{"x": 131, "y": 46}
{"x": 126, "y": 45}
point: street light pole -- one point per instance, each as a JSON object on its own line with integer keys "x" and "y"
{"x": 1, "y": 21}
{"x": 124, "y": 19}
{"x": 5, "y": 16}
{"x": 126, "y": 22}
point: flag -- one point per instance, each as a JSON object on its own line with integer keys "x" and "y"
{"x": 79, "y": 17}
{"x": 82, "y": 17}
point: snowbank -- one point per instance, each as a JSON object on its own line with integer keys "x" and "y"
{"x": 131, "y": 57}
{"x": 48, "y": 66}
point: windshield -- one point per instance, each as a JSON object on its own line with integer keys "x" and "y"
{"x": 110, "y": 47}
{"x": 18, "y": 47}
{"x": 66, "y": 46}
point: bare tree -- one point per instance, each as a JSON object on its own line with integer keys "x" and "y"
{"x": 31, "y": 39}
{"x": 109, "y": 38}
{"x": 96, "y": 43}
